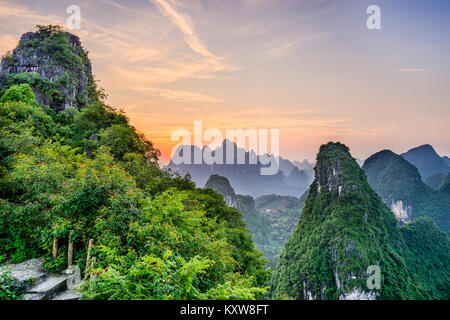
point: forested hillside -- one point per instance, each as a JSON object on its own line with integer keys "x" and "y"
{"x": 400, "y": 186}
{"x": 344, "y": 229}
{"x": 270, "y": 219}
{"x": 79, "y": 165}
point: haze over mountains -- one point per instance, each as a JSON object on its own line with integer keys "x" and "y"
{"x": 427, "y": 161}
{"x": 291, "y": 178}
{"x": 294, "y": 177}
{"x": 272, "y": 218}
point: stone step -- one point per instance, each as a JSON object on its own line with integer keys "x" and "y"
{"x": 34, "y": 296}
{"x": 47, "y": 289}
{"x": 67, "y": 295}
{"x": 29, "y": 273}
{"x": 32, "y": 280}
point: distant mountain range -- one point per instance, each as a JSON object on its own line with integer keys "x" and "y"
{"x": 412, "y": 184}
{"x": 291, "y": 179}
{"x": 427, "y": 161}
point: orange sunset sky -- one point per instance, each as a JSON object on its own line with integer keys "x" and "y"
{"x": 310, "y": 68}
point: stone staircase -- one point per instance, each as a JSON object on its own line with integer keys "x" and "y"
{"x": 39, "y": 285}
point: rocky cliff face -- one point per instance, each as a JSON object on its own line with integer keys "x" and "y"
{"x": 334, "y": 173}
{"x": 222, "y": 186}
{"x": 55, "y": 65}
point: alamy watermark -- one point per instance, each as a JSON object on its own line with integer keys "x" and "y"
{"x": 74, "y": 20}
{"x": 374, "y": 279}
{"x": 374, "y": 20}
{"x": 256, "y": 140}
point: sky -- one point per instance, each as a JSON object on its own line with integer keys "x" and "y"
{"x": 310, "y": 68}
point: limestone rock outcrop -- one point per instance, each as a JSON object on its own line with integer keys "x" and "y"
{"x": 55, "y": 65}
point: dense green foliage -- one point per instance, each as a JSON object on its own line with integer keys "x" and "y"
{"x": 259, "y": 226}
{"x": 271, "y": 219}
{"x": 444, "y": 189}
{"x": 155, "y": 235}
{"x": 426, "y": 251}
{"x": 156, "y": 238}
{"x": 395, "y": 179}
{"x": 271, "y": 224}
{"x": 345, "y": 228}
{"x": 283, "y": 214}
{"x": 19, "y": 93}
{"x": 8, "y": 289}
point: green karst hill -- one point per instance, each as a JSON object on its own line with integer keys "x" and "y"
{"x": 345, "y": 228}
{"x": 400, "y": 186}
{"x": 56, "y": 67}
{"x": 222, "y": 186}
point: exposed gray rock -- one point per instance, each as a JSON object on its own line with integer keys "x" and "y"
{"x": 358, "y": 294}
{"x": 402, "y": 211}
{"x": 47, "y": 289}
{"x": 56, "y": 67}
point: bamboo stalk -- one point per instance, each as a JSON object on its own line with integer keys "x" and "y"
{"x": 55, "y": 247}
{"x": 70, "y": 250}
{"x": 92, "y": 275}
{"x": 88, "y": 258}
{"x": 90, "y": 245}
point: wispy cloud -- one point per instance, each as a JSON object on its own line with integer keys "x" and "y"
{"x": 253, "y": 29}
{"x": 410, "y": 70}
{"x": 177, "y": 95}
{"x": 285, "y": 46}
{"x": 282, "y": 47}
{"x": 16, "y": 19}
{"x": 312, "y": 10}
{"x": 15, "y": 11}
{"x": 192, "y": 40}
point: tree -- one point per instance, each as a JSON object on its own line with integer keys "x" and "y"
{"x": 19, "y": 93}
